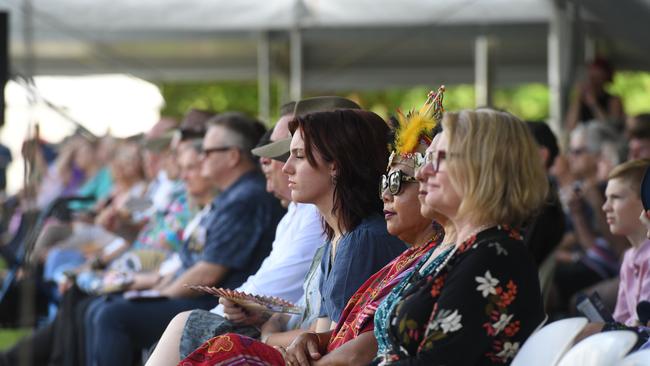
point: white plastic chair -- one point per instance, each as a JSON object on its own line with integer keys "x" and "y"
{"x": 601, "y": 349}
{"x": 639, "y": 358}
{"x": 546, "y": 346}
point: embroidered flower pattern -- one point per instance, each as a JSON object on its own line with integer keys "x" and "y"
{"x": 500, "y": 324}
{"x": 219, "y": 344}
{"x": 487, "y": 284}
{"x": 447, "y": 321}
{"x": 506, "y": 297}
{"x": 437, "y": 285}
{"x": 509, "y": 350}
{"x": 500, "y": 249}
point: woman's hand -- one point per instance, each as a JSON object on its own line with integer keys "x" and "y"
{"x": 303, "y": 350}
{"x": 239, "y": 315}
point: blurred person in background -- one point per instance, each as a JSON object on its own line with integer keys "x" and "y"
{"x": 68, "y": 172}
{"x": 639, "y": 137}
{"x": 238, "y": 236}
{"x": 5, "y": 160}
{"x": 546, "y": 230}
{"x": 592, "y": 102}
{"x": 62, "y": 342}
{"x": 89, "y": 239}
{"x": 94, "y": 161}
{"x": 589, "y": 252}
{"x": 100, "y": 181}
{"x": 156, "y": 156}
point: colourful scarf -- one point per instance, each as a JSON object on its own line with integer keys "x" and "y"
{"x": 358, "y": 315}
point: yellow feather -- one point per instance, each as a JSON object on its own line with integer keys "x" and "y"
{"x": 409, "y": 133}
{"x": 418, "y": 125}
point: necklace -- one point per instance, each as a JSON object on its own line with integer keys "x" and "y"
{"x": 387, "y": 307}
{"x": 434, "y": 255}
{"x": 432, "y": 266}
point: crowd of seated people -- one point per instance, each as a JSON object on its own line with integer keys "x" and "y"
{"x": 414, "y": 240}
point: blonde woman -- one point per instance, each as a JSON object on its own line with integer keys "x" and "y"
{"x": 477, "y": 306}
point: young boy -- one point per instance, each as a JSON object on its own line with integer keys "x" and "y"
{"x": 622, "y": 205}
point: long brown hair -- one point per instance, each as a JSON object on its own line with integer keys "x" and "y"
{"x": 356, "y": 141}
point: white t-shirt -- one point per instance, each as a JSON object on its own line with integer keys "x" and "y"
{"x": 298, "y": 235}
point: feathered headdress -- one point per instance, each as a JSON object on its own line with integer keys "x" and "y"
{"x": 415, "y": 130}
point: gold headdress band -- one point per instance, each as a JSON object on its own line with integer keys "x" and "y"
{"x": 416, "y": 128}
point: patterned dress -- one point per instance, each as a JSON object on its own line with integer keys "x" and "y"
{"x": 357, "y": 318}
{"x": 477, "y": 309}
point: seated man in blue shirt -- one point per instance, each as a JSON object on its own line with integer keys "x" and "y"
{"x": 239, "y": 231}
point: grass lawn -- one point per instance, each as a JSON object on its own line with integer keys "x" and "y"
{"x": 9, "y": 336}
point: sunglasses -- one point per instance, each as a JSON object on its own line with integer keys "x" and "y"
{"x": 393, "y": 182}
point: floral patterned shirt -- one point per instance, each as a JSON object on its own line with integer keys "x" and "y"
{"x": 164, "y": 229}
{"x": 478, "y": 309}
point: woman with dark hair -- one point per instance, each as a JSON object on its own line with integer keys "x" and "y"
{"x": 336, "y": 161}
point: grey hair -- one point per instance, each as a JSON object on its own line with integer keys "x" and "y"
{"x": 597, "y": 134}
{"x": 241, "y": 131}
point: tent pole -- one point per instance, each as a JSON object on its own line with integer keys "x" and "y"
{"x": 295, "y": 72}
{"x": 559, "y": 59}
{"x": 482, "y": 71}
{"x": 264, "y": 76}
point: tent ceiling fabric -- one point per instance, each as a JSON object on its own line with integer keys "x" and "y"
{"x": 419, "y": 12}
{"x": 347, "y": 44}
{"x": 131, "y": 18}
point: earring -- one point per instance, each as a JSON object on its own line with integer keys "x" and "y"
{"x": 334, "y": 179}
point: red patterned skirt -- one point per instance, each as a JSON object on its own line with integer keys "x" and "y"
{"x": 233, "y": 349}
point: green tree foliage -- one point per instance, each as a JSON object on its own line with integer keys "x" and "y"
{"x": 528, "y": 101}
{"x": 634, "y": 89}
{"x": 218, "y": 97}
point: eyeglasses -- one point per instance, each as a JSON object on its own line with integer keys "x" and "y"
{"x": 578, "y": 151}
{"x": 207, "y": 151}
{"x": 393, "y": 182}
{"x": 434, "y": 159}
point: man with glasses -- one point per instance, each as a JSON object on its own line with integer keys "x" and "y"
{"x": 588, "y": 252}
{"x": 239, "y": 230}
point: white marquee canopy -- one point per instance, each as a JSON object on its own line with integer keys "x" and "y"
{"x": 328, "y": 45}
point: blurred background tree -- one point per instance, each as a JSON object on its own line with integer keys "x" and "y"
{"x": 218, "y": 97}
{"x": 528, "y": 101}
